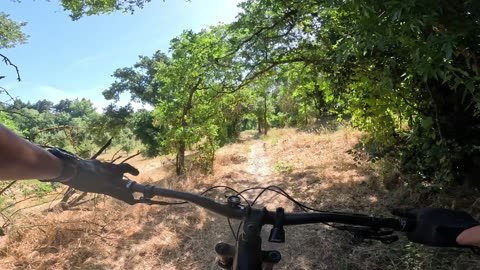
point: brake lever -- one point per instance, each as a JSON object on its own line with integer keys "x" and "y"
{"x": 153, "y": 202}
{"x": 387, "y": 239}
{"x": 360, "y": 232}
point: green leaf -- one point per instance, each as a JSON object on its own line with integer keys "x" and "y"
{"x": 427, "y": 123}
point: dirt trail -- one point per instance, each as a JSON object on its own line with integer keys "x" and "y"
{"x": 260, "y": 173}
{"x": 259, "y": 165}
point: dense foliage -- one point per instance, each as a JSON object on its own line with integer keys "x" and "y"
{"x": 80, "y": 8}
{"x": 405, "y": 72}
{"x": 10, "y": 32}
{"x": 70, "y": 124}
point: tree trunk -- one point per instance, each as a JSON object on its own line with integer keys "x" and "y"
{"x": 265, "y": 122}
{"x": 306, "y": 114}
{"x": 259, "y": 124}
{"x": 180, "y": 164}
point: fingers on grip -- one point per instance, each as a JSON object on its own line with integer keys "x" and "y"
{"x": 127, "y": 168}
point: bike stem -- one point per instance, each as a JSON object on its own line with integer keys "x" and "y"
{"x": 248, "y": 254}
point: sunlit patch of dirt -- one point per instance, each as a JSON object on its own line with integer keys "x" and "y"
{"x": 259, "y": 164}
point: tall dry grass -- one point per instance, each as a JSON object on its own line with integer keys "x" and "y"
{"x": 312, "y": 165}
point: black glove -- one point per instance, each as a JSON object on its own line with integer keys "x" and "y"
{"x": 95, "y": 176}
{"x": 104, "y": 178}
{"x": 436, "y": 226}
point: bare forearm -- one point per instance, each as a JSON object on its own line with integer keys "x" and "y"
{"x": 470, "y": 237}
{"x": 20, "y": 159}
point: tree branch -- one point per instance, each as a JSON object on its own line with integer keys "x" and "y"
{"x": 54, "y": 128}
{"x": 62, "y": 127}
{"x": 130, "y": 157}
{"x": 7, "y": 187}
{"x": 260, "y": 30}
{"x": 102, "y": 149}
{"x": 3, "y": 90}
{"x": 114, "y": 156}
{"x": 9, "y": 63}
{"x": 115, "y": 159}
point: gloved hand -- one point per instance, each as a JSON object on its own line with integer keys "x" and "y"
{"x": 94, "y": 176}
{"x": 436, "y": 226}
{"x": 104, "y": 178}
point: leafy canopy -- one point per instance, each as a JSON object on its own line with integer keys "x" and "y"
{"x": 80, "y": 8}
{"x": 10, "y": 32}
{"x": 406, "y": 71}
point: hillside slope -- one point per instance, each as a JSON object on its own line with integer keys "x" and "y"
{"x": 314, "y": 167}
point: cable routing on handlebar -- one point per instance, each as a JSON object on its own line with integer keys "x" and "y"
{"x": 318, "y": 216}
{"x": 247, "y": 253}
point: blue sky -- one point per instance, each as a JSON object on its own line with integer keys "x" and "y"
{"x": 75, "y": 59}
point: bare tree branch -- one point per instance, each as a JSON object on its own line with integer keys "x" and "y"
{"x": 3, "y": 90}
{"x": 54, "y": 128}
{"x": 7, "y": 187}
{"x": 20, "y": 201}
{"x": 114, "y": 156}
{"x": 102, "y": 149}
{"x": 76, "y": 201}
{"x": 68, "y": 134}
{"x": 130, "y": 157}
{"x": 9, "y": 63}
{"x": 115, "y": 159}
{"x": 70, "y": 191}
{"x": 61, "y": 127}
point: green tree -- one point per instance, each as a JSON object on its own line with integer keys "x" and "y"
{"x": 43, "y": 106}
{"x": 77, "y": 128}
{"x": 112, "y": 123}
{"x": 405, "y": 71}
{"x": 10, "y": 32}
{"x": 80, "y": 8}
{"x": 260, "y": 94}
{"x": 6, "y": 120}
{"x": 194, "y": 85}
{"x": 77, "y": 119}
{"x": 79, "y": 108}
{"x": 151, "y": 136}
{"x": 301, "y": 94}
{"x": 10, "y": 35}
{"x": 63, "y": 106}
{"x": 140, "y": 82}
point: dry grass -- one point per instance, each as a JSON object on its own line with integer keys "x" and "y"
{"x": 111, "y": 235}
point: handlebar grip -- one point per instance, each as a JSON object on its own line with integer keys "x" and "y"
{"x": 134, "y": 186}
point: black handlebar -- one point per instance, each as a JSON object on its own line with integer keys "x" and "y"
{"x": 247, "y": 254}
{"x": 221, "y": 209}
{"x": 269, "y": 217}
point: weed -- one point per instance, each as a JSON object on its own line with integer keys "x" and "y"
{"x": 282, "y": 167}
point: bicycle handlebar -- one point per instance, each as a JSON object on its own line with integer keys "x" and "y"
{"x": 221, "y": 209}
{"x": 289, "y": 218}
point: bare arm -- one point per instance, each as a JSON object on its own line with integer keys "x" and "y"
{"x": 20, "y": 159}
{"x": 470, "y": 237}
